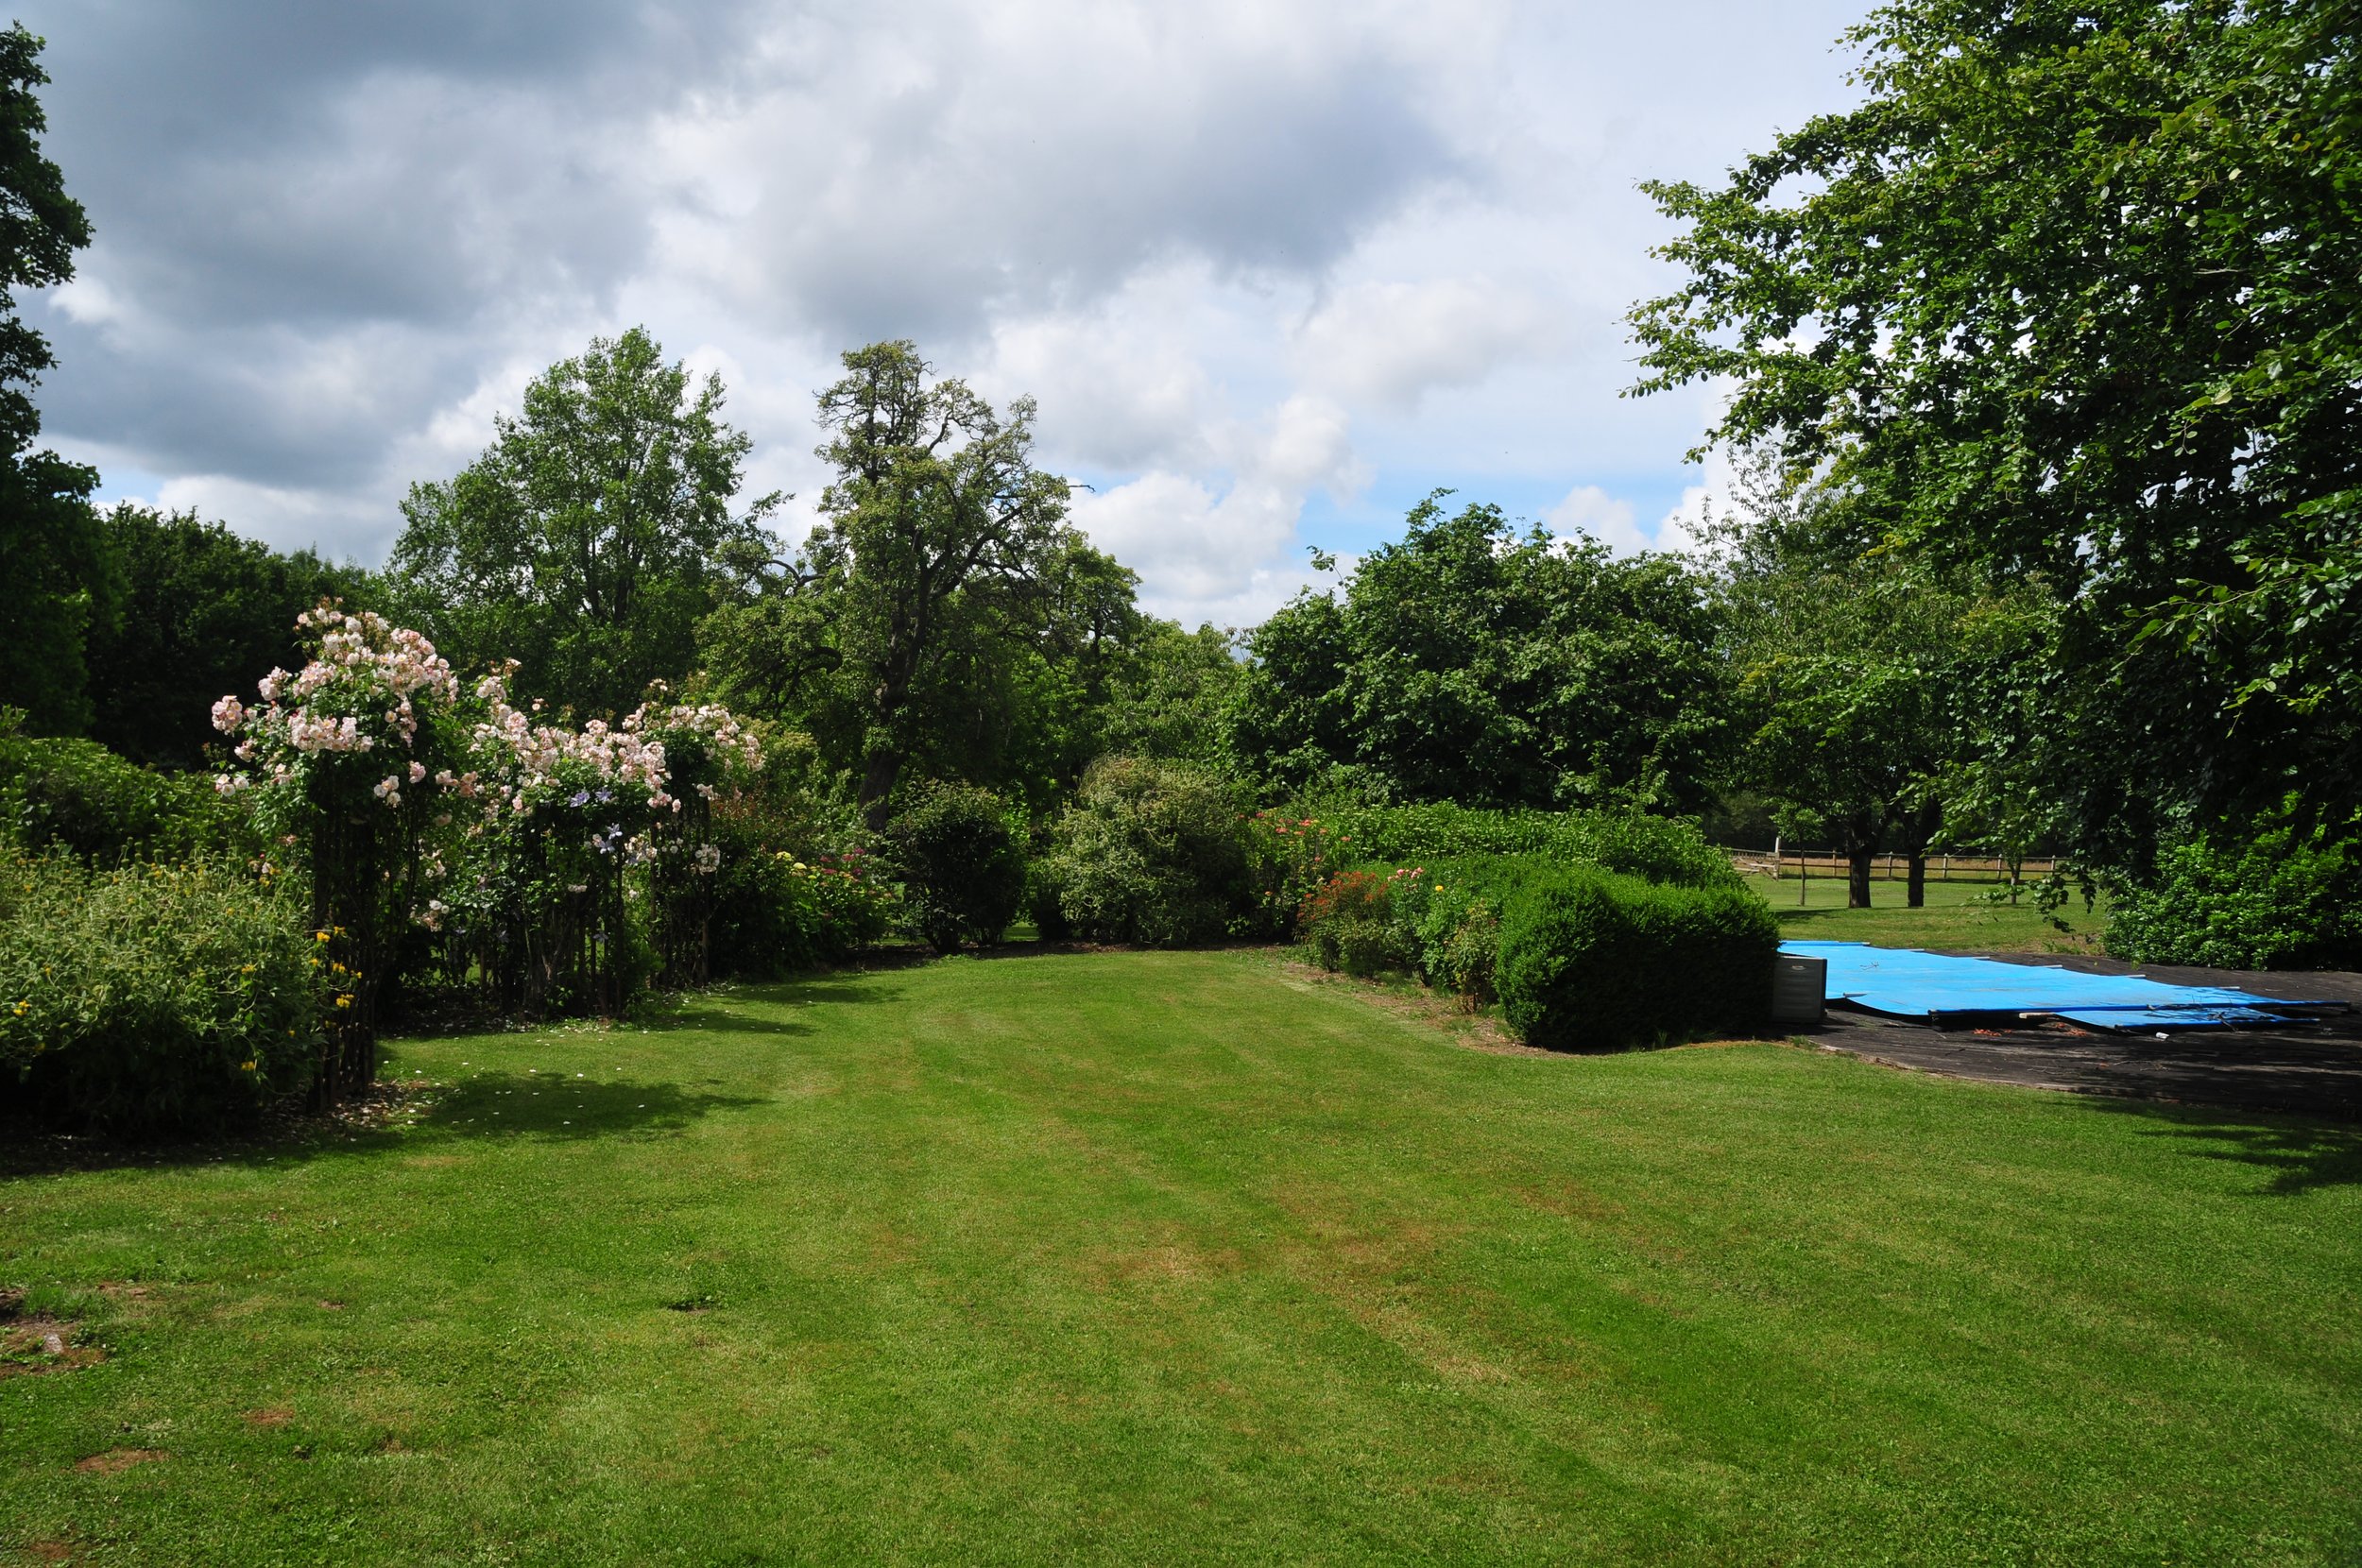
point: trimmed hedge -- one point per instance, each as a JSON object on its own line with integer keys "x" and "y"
{"x": 1591, "y": 961}
{"x": 1661, "y": 849}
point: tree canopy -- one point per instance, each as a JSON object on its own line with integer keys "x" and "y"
{"x": 944, "y": 612}
{"x": 1471, "y": 663}
{"x": 204, "y": 612}
{"x": 586, "y": 541}
{"x": 2071, "y": 299}
{"x": 61, "y": 578}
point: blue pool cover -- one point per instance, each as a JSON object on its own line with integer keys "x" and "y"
{"x": 1937, "y": 988}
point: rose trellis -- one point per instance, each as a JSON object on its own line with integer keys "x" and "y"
{"x": 350, "y": 765}
{"x": 708, "y": 752}
{"x": 556, "y": 868}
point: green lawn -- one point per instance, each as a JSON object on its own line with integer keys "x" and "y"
{"x": 1958, "y": 915}
{"x": 1181, "y": 1257}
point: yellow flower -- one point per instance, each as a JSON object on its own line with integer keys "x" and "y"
{"x": 344, "y": 1001}
{"x": 246, "y": 969}
{"x": 246, "y": 1066}
{"x": 319, "y": 936}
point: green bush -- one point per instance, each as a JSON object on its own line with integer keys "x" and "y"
{"x": 154, "y": 998}
{"x": 782, "y": 903}
{"x": 962, "y": 864}
{"x": 1591, "y": 961}
{"x": 79, "y": 796}
{"x": 1150, "y": 852}
{"x": 2272, "y": 896}
{"x": 1661, "y": 849}
{"x": 1352, "y": 923}
{"x": 1452, "y": 917}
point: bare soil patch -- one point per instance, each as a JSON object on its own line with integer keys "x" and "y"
{"x": 116, "y": 1461}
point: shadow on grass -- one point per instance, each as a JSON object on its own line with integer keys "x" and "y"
{"x": 391, "y": 1117}
{"x": 2302, "y": 1155}
{"x": 501, "y": 1104}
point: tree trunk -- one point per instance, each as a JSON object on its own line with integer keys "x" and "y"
{"x": 1918, "y": 829}
{"x": 878, "y": 775}
{"x": 1857, "y": 837}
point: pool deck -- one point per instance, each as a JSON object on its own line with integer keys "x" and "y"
{"x": 2306, "y": 1069}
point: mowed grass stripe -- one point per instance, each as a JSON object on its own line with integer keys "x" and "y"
{"x": 1177, "y": 1257}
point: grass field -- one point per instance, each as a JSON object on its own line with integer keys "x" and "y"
{"x": 1184, "y": 1257}
{"x": 1958, "y": 915}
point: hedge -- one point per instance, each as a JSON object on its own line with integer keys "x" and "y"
{"x": 1661, "y": 849}
{"x": 2260, "y": 895}
{"x": 77, "y": 795}
{"x": 1592, "y": 960}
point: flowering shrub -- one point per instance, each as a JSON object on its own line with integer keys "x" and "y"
{"x": 1289, "y": 856}
{"x": 350, "y": 762}
{"x": 1349, "y": 920}
{"x": 154, "y": 998}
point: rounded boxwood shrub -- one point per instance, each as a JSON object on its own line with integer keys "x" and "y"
{"x": 1150, "y": 852}
{"x": 158, "y": 998}
{"x": 1590, "y": 961}
{"x": 962, "y": 863}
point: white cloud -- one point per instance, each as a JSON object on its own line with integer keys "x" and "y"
{"x": 1205, "y": 550}
{"x": 1589, "y": 509}
{"x": 1391, "y": 342}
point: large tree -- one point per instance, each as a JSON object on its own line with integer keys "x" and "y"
{"x": 1850, "y": 685}
{"x": 944, "y": 613}
{"x": 586, "y": 541}
{"x": 61, "y": 579}
{"x": 2075, "y": 297}
{"x": 1473, "y": 663}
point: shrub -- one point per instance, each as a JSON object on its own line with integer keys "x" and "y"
{"x": 2270, "y": 897}
{"x": 1591, "y": 961}
{"x": 1289, "y": 854}
{"x": 154, "y": 998}
{"x": 1455, "y": 926}
{"x": 1352, "y": 924}
{"x": 962, "y": 866}
{"x": 1150, "y": 852}
{"x": 77, "y": 795}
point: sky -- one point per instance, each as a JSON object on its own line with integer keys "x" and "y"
{"x": 1273, "y": 271}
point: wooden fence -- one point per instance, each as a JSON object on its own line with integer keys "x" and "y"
{"x": 1894, "y": 868}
